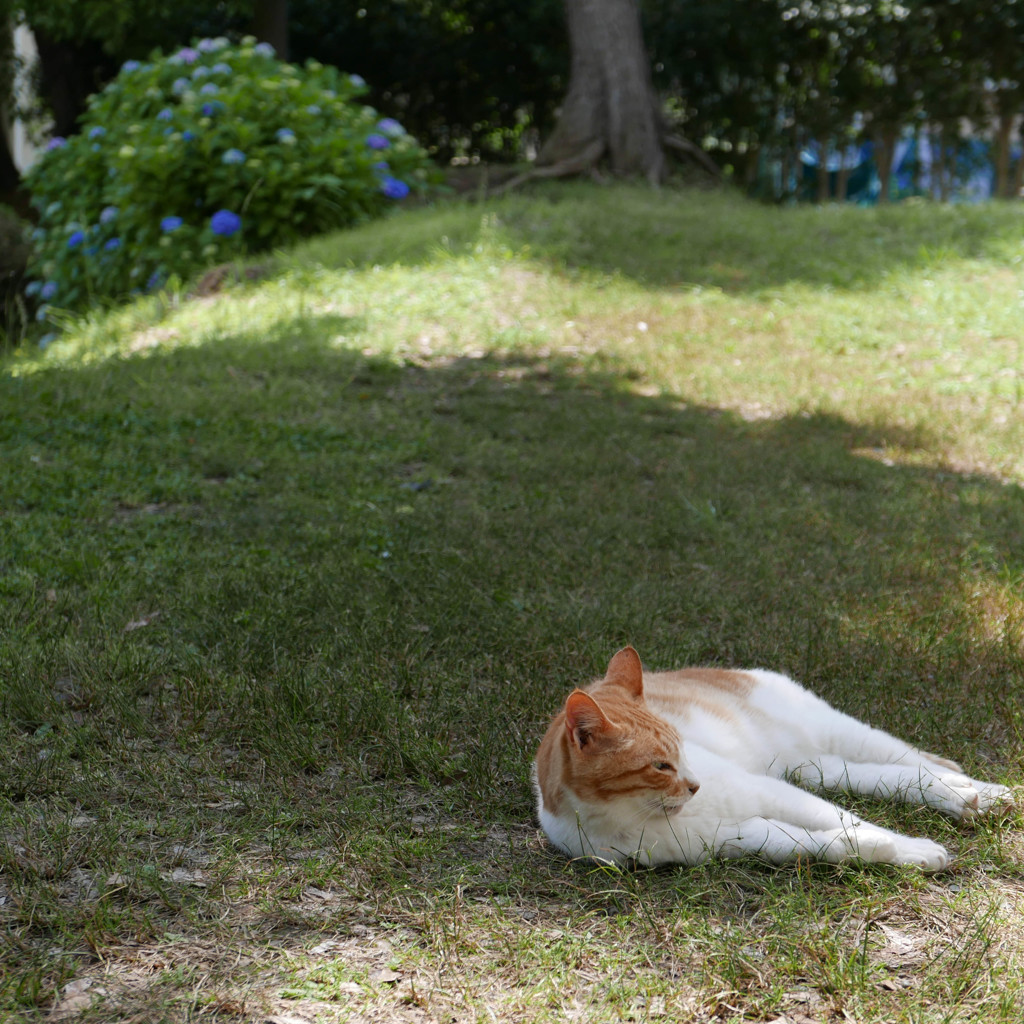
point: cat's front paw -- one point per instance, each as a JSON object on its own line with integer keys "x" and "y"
{"x": 921, "y": 853}
{"x": 966, "y": 799}
{"x": 880, "y": 846}
{"x": 993, "y": 798}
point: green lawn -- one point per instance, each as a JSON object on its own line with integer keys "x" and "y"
{"x": 293, "y": 575}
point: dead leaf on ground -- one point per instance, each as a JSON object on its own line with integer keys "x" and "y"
{"x": 146, "y": 620}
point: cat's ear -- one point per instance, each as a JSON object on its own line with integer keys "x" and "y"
{"x": 584, "y": 719}
{"x": 626, "y": 671}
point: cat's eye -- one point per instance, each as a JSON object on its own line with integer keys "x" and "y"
{"x": 663, "y": 766}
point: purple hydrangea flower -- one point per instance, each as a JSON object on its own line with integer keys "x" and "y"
{"x": 225, "y": 223}
{"x": 47, "y": 291}
{"x": 169, "y": 224}
{"x": 95, "y": 133}
{"x": 111, "y": 244}
{"x": 165, "y": 115}
{"x": 56, "y": 142}
{"x": 389, "y": 126}
{"x": 376, "y": 141}
{"x": 75, "y": 239}
{"x": 394, "y": 188}
{"x": 233, "y": 156}
{"x": 188, "y": 55}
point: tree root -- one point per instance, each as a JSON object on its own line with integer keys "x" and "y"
{"x": 585, "y": 160}
{"x": 693, "y": 152}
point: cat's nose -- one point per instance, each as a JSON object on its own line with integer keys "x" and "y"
{"x": 691, "y": 786}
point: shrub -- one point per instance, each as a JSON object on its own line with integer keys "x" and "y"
{"x": 204, "y": 155}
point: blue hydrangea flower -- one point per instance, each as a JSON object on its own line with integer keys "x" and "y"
{"x": 394, "y": 188}
{"x": 264, "y": 49}
{"x": 357, "y": 80}
{"x": 188, "y": 136}
{"x": 75, "y": 239}
{"x": 233, "y": 156}
{"x": 47, "y": 291}
{"x": 381, "y": 167}
{"x": 95, "y": 133}
{"x": 107, "y": 214}
{"x": 169, "y": 224}
{"x": 312, "y": 109}
{"x": 165, "y": 115}
{"x": 208, "y": 45}
{"x": 56, "y": 142}
{"x": 34, "y": 287}
{"x": 180, "y": 85}
{"x": 389, "y": 126}
{"x": 225, "y": 223}
{"x": 284, "y": 135}
{"x": 131, "y": 65}
{"x": 210, "y": 89}
{"x": 376, "y": 141}
{"x": 211, "y": 109}
{"x": 188, "y": 55}
{"x": 200, "y": 71}
{"x": 221, "y": 68}
{"x": 155, "y": 280}
{"x": 111, "y": 244}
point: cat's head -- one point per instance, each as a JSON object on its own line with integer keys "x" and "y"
{"x": 616, "y": 750}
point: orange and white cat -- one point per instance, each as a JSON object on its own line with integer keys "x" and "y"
{"x": 679, "y": 766}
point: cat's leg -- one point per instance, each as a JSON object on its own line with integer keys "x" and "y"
{"x": 915, "y": 778}
{"x": 781, "y": 842}
{"x": 772, "y": 818}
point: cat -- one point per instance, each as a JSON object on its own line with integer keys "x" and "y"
{"x": 675, "y": 767}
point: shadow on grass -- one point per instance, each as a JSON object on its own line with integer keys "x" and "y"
{"x": 489, "y": 527}
{"x": 684, "y": 239}
{"x": 301, "y": 614}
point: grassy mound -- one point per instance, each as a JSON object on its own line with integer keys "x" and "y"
{"x": 293, "y": 575}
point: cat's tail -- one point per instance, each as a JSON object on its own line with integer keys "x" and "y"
{"x": 942, "y": 762}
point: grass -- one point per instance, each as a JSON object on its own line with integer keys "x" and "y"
{"x": 293, "y": 575}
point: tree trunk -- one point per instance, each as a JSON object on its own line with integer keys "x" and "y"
{"x": 885, "y": 155}
{"x": 610, "y": 109}
{"x": 1018, "y": 173}
{"x": 270, "y": 24}
{"x": 1004, "y": 130}
{"x": 822, "y": 173}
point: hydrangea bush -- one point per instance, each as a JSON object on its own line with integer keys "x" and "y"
{"x": 204, "y": 155}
